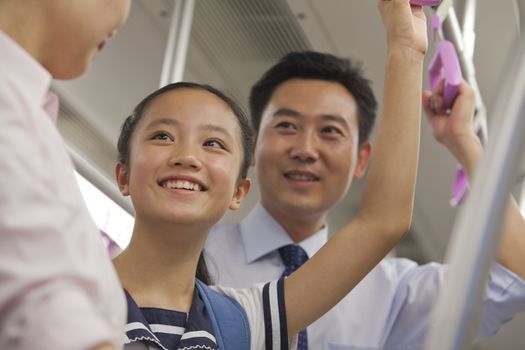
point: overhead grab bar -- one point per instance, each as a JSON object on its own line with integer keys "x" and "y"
{"x": 178, "y": 42}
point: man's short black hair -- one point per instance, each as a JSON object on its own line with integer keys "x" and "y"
{"x": 317, "y": 66}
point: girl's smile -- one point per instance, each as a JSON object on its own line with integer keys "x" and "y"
{"x": 183, "y": 185}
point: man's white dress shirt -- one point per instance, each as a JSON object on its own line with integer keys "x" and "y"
{"x": 58, "y": 289}
{"x": 389, "y": 309}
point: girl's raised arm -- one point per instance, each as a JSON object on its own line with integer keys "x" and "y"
{"x": 385, "y": 214}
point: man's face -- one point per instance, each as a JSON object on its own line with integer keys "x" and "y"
{"x": 307, "y": 147}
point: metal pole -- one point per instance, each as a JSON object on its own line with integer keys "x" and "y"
{"x": 469, "y": 22}
{"x": 519, "y": 8}
{"x": 476, "y": 233}
{"x": 94, "y": 176}
{"x": 178, "y": 42}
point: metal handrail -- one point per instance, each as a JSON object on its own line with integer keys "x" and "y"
{"x": 452, "y": 31}
{"x": 178, "y": 42}
{"x": 110, "y": 189}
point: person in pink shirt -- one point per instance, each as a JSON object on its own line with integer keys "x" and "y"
{"x": 58, "y": 289}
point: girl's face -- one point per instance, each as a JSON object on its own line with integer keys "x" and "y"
{"x": 185, "y": 157}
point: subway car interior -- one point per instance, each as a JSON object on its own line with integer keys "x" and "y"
{"x": 230, "y": 43}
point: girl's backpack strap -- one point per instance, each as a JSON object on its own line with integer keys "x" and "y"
{"x": 229, "y": 320}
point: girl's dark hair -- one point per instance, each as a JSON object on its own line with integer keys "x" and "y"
{"x": 317, "y": 66}
{"x": 130, "y": 124}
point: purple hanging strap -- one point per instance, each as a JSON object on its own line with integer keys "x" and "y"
{"x": 445, "y": 66}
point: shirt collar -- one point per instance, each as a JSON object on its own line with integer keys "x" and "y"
{"x": 262, "y": 234}
{"x": 137, "y": 328}
{"x": 20, "y": 68}
{"x": 51, "y": 105}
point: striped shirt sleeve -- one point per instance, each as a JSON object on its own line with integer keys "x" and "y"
{"x": 266, "y": 312}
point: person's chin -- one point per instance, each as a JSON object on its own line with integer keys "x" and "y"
{"x": 298, "y": 202}
{"x": 71, "y": 72}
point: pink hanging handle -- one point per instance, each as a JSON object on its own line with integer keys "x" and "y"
{"x": 425, "y": 2}
{"x": 445, "y": 66}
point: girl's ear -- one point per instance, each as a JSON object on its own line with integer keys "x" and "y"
{"x": 363, "y": 157}
{"x": 122, "y": 179}
{"x": 240, "y": 193}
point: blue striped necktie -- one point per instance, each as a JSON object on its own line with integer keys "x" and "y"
{"x": 293, "y": 257}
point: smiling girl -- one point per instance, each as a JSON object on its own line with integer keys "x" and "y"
{"x": 183, "y": 158}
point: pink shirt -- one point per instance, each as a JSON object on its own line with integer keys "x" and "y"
{"x": 58, "y": 289}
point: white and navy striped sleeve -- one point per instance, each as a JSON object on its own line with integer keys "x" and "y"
{"x": 266, "y": 312}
